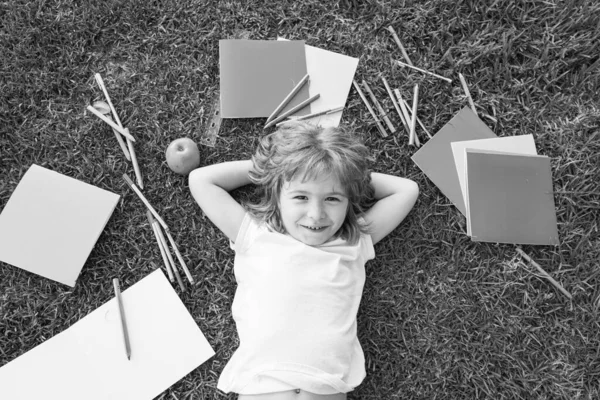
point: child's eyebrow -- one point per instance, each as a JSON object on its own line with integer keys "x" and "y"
{"x": 300, "y": 191}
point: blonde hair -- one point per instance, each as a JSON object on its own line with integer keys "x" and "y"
{"x": 299, "y": 149}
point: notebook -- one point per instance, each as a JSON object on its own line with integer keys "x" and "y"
{"x": 435, "y": 157}
{"x": 51, "y": 224}
{"x": 510, "y": 198}
{"x": 523, "y": 144}
{"x": 256, "y": 75}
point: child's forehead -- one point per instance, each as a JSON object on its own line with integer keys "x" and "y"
{"x": 306, "y": 181}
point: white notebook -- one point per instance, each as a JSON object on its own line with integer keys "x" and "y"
{"x": 51, "y": 224}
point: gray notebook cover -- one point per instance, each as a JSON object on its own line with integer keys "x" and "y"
{"x": 257, "y": 75}
{"x": 436, "y": 159}
{"x": 510, "y": 198}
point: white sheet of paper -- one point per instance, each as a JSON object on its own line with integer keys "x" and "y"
{"x": 88, "y": 361}
{"x": 523, "y": 144}
{"x": 51, "y": 223}
{"x": 331, "y": 76}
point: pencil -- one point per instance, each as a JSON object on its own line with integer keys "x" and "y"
{"x": 324, "y": 112}
{"x": 110, "y": 122}
{"x": 292, "y": 110}
{"x": 319, "y": 113}
{"x": 394, "y": 102}
{"x": 122, "y": 318}
{"x": 102, "y": 108}
{"x": 423, "y": 71}
{"x": 364, "y": 99}
{"x": 146, "y": 203}
{"x": 418, "y": 119}
{"x": 544, "y": 273}
{"x": 154, "y": 225}
{"x": 287, "y": 99}
{"x": 163, "y": 252}
{"x": 169, "y": 256}
{"x": 466, "y": 89}
{"x": 403, "y": 107}
{"x": 397, "y": 40}
{"x": 180, "y": 258}
{"x": 110, "y": 104}
{"x": 136, "y": 167}
{"x": 381, "y": 110}
{"x": 413, "y": 123}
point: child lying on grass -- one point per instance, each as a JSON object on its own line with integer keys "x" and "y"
{"x": 300, "y": 257}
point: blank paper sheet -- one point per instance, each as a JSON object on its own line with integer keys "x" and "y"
{"x": 331, "y": 76}
{"x": 51, "y": 224}
{"x": 88, "y": 361}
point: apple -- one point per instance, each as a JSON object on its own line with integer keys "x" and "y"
{"x": 183, "y": 156}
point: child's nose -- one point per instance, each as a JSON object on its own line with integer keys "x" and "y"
{"x": 315, "y": 210}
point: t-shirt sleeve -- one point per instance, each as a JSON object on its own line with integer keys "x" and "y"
{"x": 246, "y": 234}
{"x": 366, "y": 242}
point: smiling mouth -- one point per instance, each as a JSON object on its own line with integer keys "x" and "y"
{"x": 314, "y": 228}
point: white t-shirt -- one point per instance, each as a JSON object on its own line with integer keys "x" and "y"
{"x": 295, "y": 310}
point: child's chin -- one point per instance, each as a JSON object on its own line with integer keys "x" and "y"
{"x": 313, "y": 241}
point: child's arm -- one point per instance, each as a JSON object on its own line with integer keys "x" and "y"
{"x": 210, "y": 187}
{"x": 395, "y": 198}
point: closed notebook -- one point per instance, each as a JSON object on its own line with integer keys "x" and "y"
{"x": 51, "y": 224}
{"x": 510, "y": 198}
{"x": 257, "y": 75}
{"x": 523, "y": 144}
{"x": 436, "y": 160}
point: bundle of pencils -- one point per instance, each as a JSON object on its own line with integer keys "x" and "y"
{"x": 160, "y": 229}
{"x": 103, "y": 110}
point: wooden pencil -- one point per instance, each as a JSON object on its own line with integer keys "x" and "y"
{"x": 292, "y": 110}
{"x": 145, "y": 201}
{"x": 154, "y": 226}
{"x": 366, "y": 102}
{"x": 136, "y": 167}
{"x": 122, "y": 318}
{"x": 179, "y": 257}
{"x": 110, "y": 122}
{"x": 103, "y": 108}
{"x": 423, "y": 71}
{"x": 463, "y": 82}
{"x": 319, "y": 113}
{"x": 418, "y": 120}
{"x": 289, "y": 97}
{"x": 394, "y": 102}
{"x": 413, "y": 123}
{"x": 387, "y": 120}
{"x": 399, "y": 43}
{"x": 544, "y": 273}
{"x": 170, "y": 258}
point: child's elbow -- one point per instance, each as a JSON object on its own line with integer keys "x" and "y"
{"x": 412, "y": 189}
{"x": 195, "y": 179}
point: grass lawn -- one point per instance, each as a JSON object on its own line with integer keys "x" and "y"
{"x": 442, "y": 317}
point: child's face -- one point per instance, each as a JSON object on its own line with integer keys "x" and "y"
{"x": 313, "y": 211}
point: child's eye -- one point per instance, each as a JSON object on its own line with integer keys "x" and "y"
{"x": 334, "y": 199}
{"x": 300, "y": 197}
